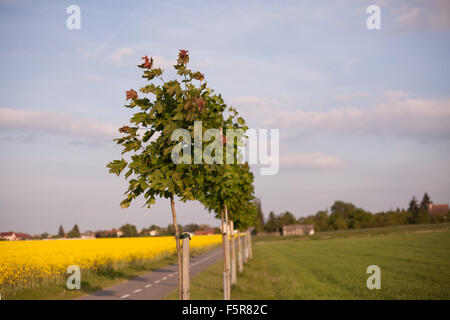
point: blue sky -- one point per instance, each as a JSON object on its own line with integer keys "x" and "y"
{"x": 364, "y": 115}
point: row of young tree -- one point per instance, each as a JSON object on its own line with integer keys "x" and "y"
{"x": 153, "y": 142}
{"x": 345, "y": 215}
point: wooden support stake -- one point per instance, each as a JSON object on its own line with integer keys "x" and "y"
{"x": 225, "y": 283}
{"x": 227, "y": 267}
{"x": 233, "y": 256}
{"x": 245, "y": 248}
{"x": 250, "y": 255}
{"x": 175, "y": 225}
{"x": 227, "y": 249}
{"x": 224, "y": 249}
{"x": 185, "y": 268}
{"x": 241, "y": 264}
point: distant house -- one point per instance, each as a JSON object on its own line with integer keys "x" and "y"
{"x": 151, "y": 233}
{"x": 438, "y": 210}
{"x": 205, "y": 232}
{"x": 297, "y": 229}
{"x": 12, "y": 236}
{"x": 114, "y": 232}
{"x": 109, "y": 233}
{"x": 88, "y": 235}
{"x": 23, "y": 236}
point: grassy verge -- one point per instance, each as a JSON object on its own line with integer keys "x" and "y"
{"x": 414, "y": 262}
{"x": 94, "y": 281}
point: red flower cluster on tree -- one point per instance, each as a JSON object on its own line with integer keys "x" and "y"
{"x": 183, "y": 56}
{"x": 124, "y": 129}
{"x": 131, "y": 94}
{"x": 147, "y": 63}
{"x": 200, "y": 104}
{"x": 199, "y": 76}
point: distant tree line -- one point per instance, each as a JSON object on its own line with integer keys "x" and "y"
{"x": 129, "y": 230}
{"x": 126, "y": 230}
{"x": 345, "y": 215}
{"x": 74, "y": 233}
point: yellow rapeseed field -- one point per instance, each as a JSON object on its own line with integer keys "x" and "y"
{"x": 25, "y": 264}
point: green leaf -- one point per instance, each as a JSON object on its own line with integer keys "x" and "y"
{"x": 159, "y": 106}
{"x": 151, "y": 88}
{"x": 131, "y": 146}
{"x": 139, "y": 117}
{"x": 143, "y": 185}
{"x": 150, "y": 201}
{"x": 147, "y": 135}
{"x": 172, "y": 87}
{"x": 117, "y": 166}
{"x": 150, "y": 74}
{"x": 129, "y": 172}
{"x": 125, "y": 203}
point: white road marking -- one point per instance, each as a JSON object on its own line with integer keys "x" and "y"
{"x": 171, "y": 275}
{"x": 204, "y": 259}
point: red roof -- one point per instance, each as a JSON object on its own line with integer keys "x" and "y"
{"x": 18, "y": 235}
{"x": 109, "y": 231}
{"x": 23, "y": 236}
{"x": 204, "y": 232}
{"x": 438, "y": 209}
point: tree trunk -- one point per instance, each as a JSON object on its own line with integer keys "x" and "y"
{"x": 175, "y": 225}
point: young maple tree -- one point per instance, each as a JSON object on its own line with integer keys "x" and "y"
{"x": 164, "y": 107}
{"x": 229, "y": 186}
{"x": 242, "y": 210}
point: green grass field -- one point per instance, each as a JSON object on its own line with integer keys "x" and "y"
{"x": 414, "y": 262}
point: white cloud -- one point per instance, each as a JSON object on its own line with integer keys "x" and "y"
{"x": 423, "y": 14}
{"x": 53, "y": 122}
{"x": 394, "y": 114}
{"x": 256, "y": 109}
{"x": 119, "y": 54}
{"x": 412, "y": 17}
{"x": 310, "y": 161}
